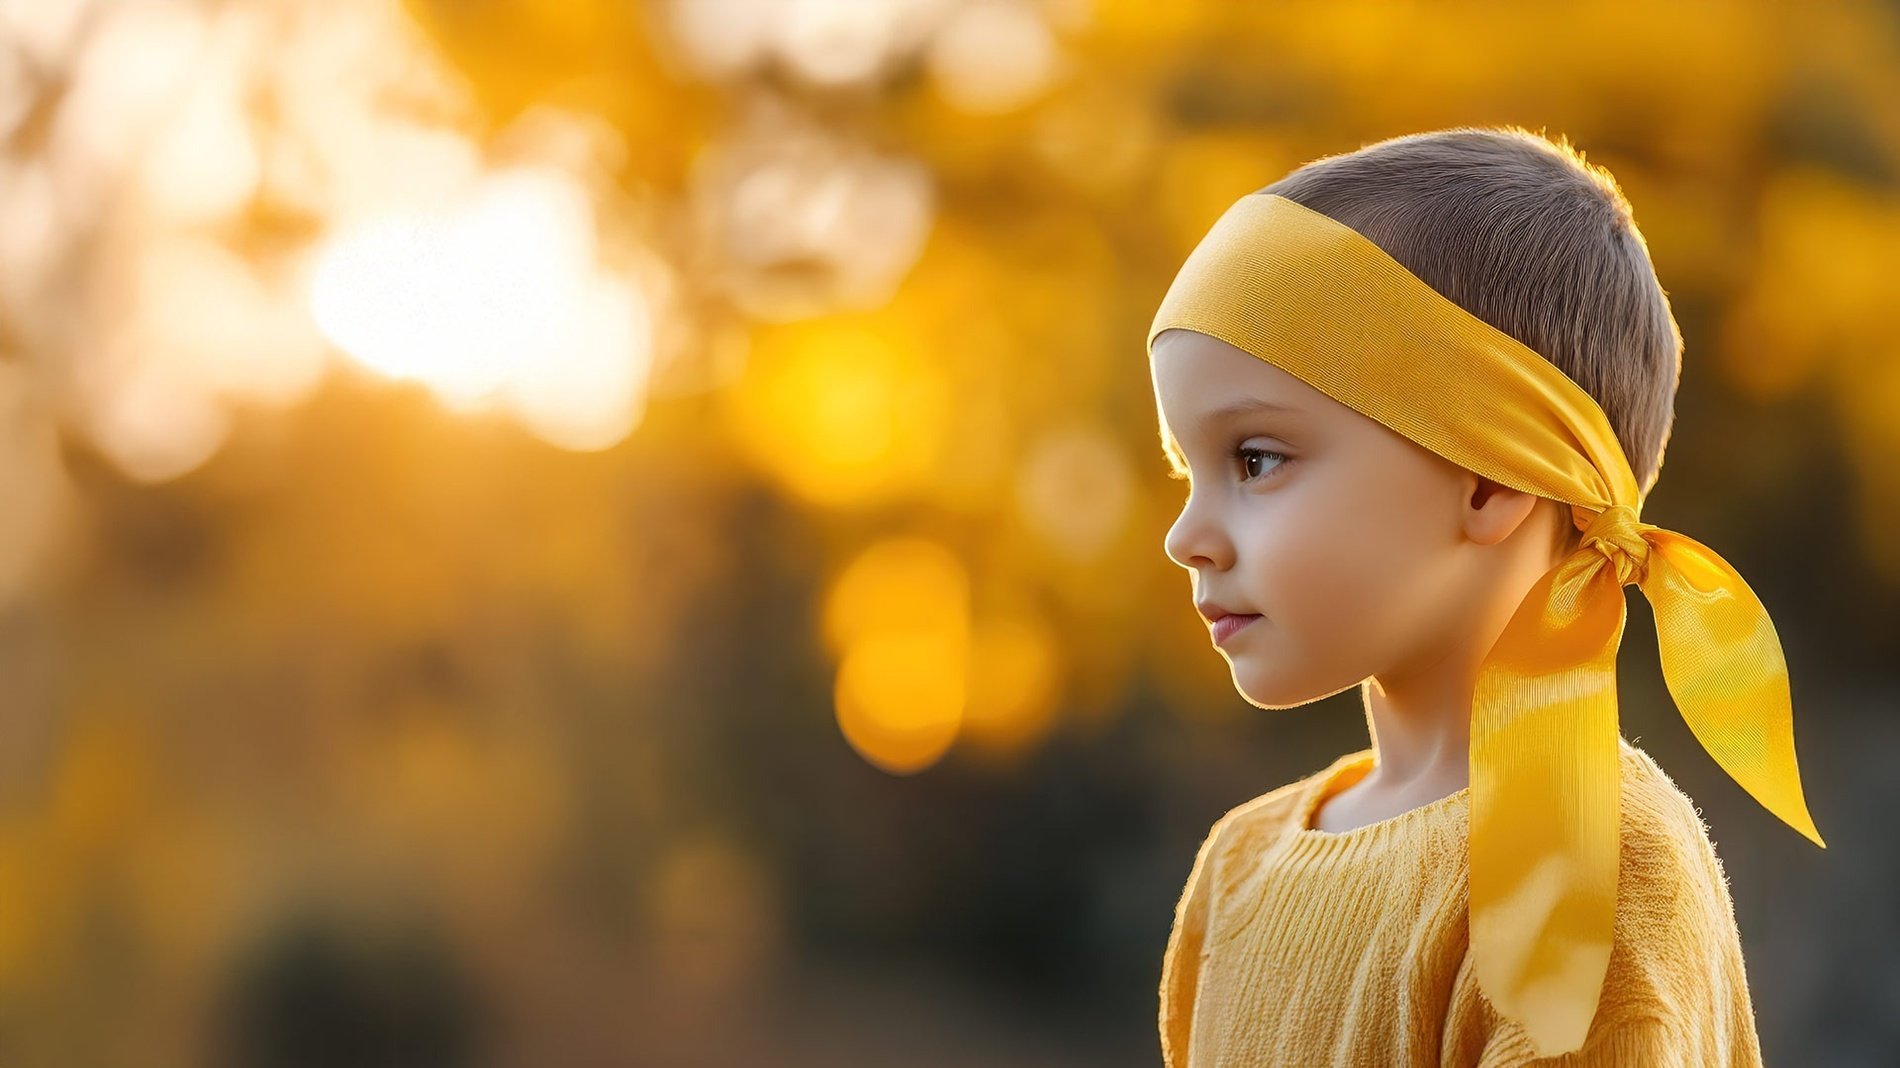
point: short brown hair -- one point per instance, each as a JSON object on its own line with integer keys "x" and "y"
{"x": 1521, "y": 232}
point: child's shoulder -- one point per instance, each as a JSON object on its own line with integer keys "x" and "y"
{"x": 1662, "y": 832}
{"x": 1282, "y": 807}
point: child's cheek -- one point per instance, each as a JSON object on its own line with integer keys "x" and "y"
{"x": 1310, "y": 583}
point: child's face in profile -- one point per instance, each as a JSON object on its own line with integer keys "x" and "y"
{"x": 1348, "y": 539}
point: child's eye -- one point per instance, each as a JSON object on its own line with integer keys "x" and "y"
{"x": 1243, "y": 453}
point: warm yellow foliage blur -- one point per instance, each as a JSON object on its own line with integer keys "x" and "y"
{"x": 562, "y": 475}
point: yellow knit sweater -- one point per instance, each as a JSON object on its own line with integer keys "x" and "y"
{"x": 1295, "y": 946}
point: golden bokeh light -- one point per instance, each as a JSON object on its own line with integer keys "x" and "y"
{"x": 900, "y": 697}
{"x": 829, "y": 43}
{"x": 495, "y": 300}
{"x": 840, "y": 412}
{"x": 898, "y": 616}
{"x": 994, "y": 56}
{"x": 1016, "y": 679}
{"x": 896, "y": 584}
{"x": 807, "y": 219}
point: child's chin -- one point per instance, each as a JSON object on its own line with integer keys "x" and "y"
{"x": 1264, "y": 685}
{"x": 1264, "y": 689}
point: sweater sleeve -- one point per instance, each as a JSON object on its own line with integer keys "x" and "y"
{"x": 1181, "y": 962}
{"x": 1676, "y": 990}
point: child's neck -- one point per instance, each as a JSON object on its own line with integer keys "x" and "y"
{"x": 1421, "y": 735}
{"x": 1420, "y": 756}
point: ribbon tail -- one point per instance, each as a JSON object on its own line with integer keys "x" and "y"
{"x": 1724, "y": 666}
{"x": 1546, "y": 804}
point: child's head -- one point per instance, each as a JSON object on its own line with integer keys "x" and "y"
{"x": 1368, "y": 555}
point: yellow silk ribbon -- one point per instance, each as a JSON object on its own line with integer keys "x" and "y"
{"x": 1319, "y": 300}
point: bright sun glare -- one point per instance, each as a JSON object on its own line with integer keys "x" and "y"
{"x": 495, "y": 299}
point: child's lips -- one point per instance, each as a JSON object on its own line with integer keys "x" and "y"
{"x": 1227, "y": 626}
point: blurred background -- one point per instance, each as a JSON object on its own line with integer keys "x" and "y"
{"x": 597, "y": 532}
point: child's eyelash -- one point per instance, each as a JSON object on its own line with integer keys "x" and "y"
{"x": 1241, "y": 453}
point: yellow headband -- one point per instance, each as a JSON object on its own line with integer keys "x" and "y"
{"x": 1319, "y": 300}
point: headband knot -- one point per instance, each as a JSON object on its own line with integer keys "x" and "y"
{"x": 1617, "y": 533}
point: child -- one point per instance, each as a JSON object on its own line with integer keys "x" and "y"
{"x": 1419, "y": 392}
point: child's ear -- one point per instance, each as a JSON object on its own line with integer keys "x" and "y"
{"x": 1493, "y": 511}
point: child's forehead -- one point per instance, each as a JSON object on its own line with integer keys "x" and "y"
{"x": 1202, "y": 379}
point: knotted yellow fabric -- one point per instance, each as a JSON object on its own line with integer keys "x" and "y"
{"x": 1321, "y": 301}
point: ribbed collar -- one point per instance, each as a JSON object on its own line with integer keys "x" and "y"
{"x": 1350, "y": 769}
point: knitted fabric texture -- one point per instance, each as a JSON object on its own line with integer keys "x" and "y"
{"x": 1295, "y": 946}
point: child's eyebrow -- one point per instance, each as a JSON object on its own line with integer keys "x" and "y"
{"x": 1243, "y": 406}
